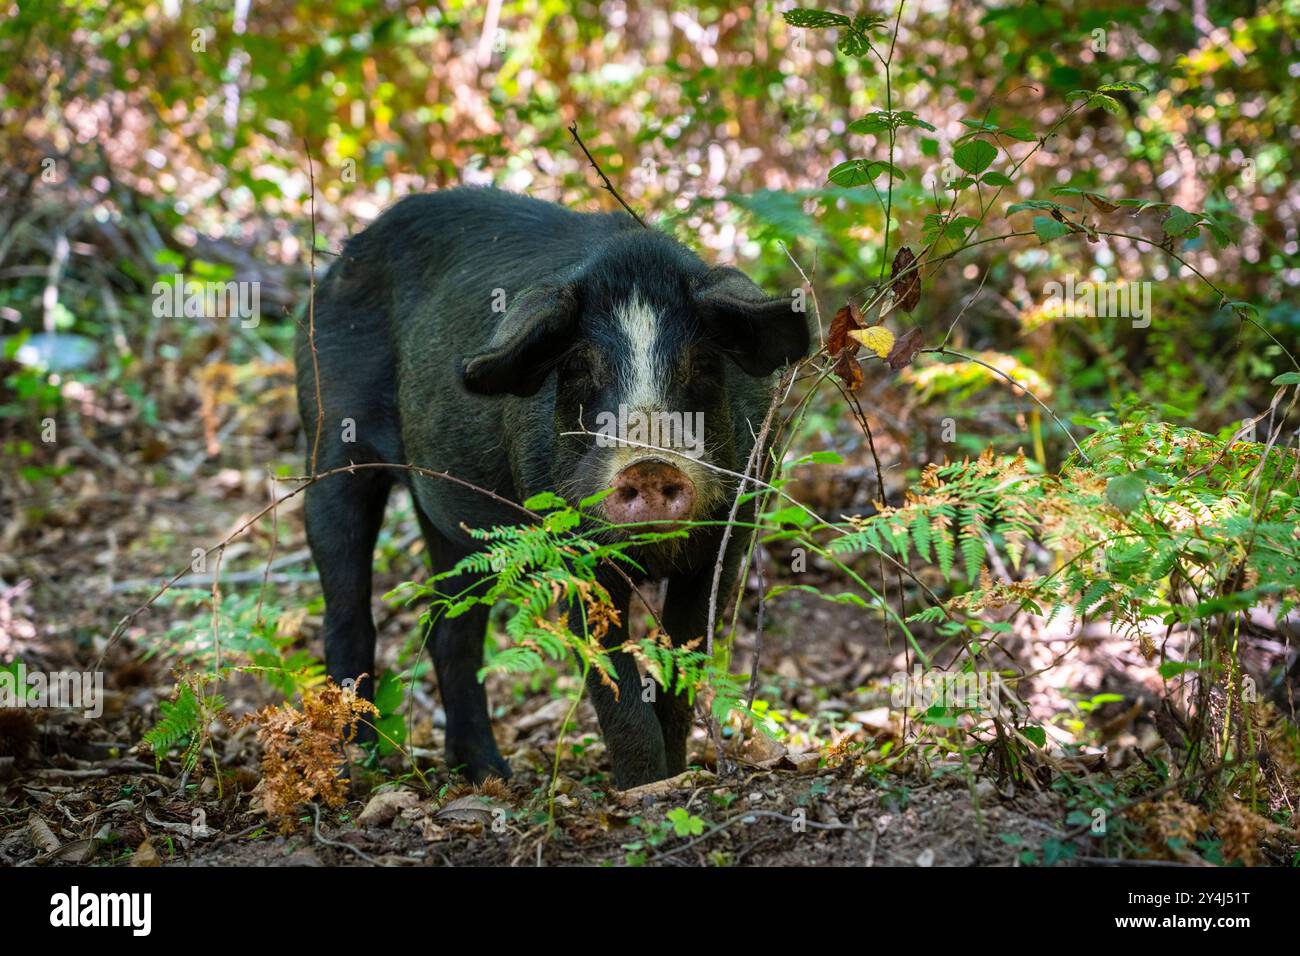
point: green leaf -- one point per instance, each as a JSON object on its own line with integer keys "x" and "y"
{"x": 391, "y": 732}
{"x": 1049, "y": 229}
{"x": 1029, "y": 204}
{"x": 789, "y": 515}
{"x": 388, "y": 695}
{"x": 21, "y": 691}
{"x": 881, "y": 121}
{"x": 1222, "y": 237}
{"x": 1125, "y": 86}
{"x": 944, "y": 550}
{"x": 860, "y": 172}
{"x": 1180, "y": 222}
{"x": 975, "y": 156}
{"x": 908, "y": 118}
{"x": 1020, "y": 133}
{"x": 1107, "y": 103}
{"x": 877, "y": 122}
{"x": 996, "y": 179}
{"x": 815, "y": 19}
{"x": 958, "y": 228}
{"x": 598, "y": 497}
{"x": 684, "y": 822}
{"x": 820, "y": 458}
{"x": 982, "y": 126}
{"x": 1287, "y": 378}
{"x": 1171, "y": 669}
{"x": 566, "y": 519}
{"x": 868, "y": 21}
{"x": 1125, "y": 492}
{"x": 545, "y": 501}
{"x": 853, "y": 43}
{"x": 1036, "y": 735}
{"x": 921, "y": 535}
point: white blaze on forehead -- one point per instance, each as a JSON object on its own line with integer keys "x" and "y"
{"x": 641, "y": 368}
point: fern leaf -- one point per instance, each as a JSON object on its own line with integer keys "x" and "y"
{"x": 972, "y": 544}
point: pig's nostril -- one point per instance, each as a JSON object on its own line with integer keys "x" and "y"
{"x": 628, "y": 493}
{"x": 672, "y": 491}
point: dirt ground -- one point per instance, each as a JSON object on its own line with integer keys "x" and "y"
{"x": 832, "y": 791}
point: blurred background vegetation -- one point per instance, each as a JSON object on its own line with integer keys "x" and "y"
{"x": 142, "y": 139}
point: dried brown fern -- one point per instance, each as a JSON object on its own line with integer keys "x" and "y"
{"x": 302, "y": 752}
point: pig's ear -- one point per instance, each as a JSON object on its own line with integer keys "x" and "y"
{"x": 538, "y": 328}
{"x": 760, "y": 333}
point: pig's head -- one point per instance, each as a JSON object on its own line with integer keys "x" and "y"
{"x": 653, "y": 356}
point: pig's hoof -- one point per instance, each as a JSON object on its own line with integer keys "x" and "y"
{"x": 497, "y": 768}
{"x": 626, "y": 778}
{"x": 478, "y": 767}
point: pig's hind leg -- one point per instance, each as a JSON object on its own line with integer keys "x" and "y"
{"x": 457, "y": 647}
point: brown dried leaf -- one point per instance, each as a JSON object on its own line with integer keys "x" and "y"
{"x": 905, "y": 348}
{"x": 661, "y": 788}
{"x": 846, "y": 320}
{"x": 848, "y": 370}
{"x": 906, "y": 288}
{"x": 42, "y": 836}
{"x": 807, "y": 762}
{"x": 471, "y": 808}
{"x": 1100, "y": 203}
{"x": 145, "y": 855}
{"x": 386, "y": 805}
{"x": 761, "y": 750}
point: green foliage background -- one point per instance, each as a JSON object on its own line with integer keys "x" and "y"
{"x": 719, "y": 121}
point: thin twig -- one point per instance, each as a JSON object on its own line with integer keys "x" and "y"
{"x": 311, "y": 310}
{"x": 608, "y": 186}
{"x": 752, "y": 468}
{"x": 321, "y": 838}
{"x": 1019, "y": 385}
{"x": 270, "y": 557}
{"x": 965, "y": 305}
{"x": 758, "y": 629}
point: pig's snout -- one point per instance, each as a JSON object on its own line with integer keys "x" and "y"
{"x": 650, "y": 490}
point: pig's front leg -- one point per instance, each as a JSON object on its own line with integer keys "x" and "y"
{"x": 685, "y": 618}
{"x": 633, "y": 739}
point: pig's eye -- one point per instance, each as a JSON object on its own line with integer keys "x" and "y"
{"x": 701, "y": 364}
{"x": 581, "y": 369}
{"x": 708, "y": 362}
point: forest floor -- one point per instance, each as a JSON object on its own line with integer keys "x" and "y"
{"x": 80, "y": 790}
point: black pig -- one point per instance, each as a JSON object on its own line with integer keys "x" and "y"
{"x": 468, "y": 331}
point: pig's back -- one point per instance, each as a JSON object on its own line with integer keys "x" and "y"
{"x": 454, "y": 260}
{"x": 455, "y": 240}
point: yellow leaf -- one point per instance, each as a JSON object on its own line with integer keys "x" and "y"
{"x": 877, "y": 338}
